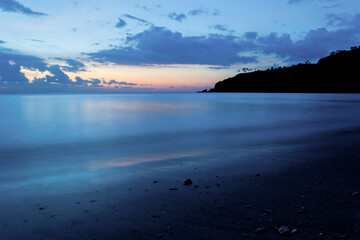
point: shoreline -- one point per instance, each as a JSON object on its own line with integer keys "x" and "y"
{"x": 314, "y": 192}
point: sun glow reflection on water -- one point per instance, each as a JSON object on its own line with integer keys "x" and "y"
{"x": 64, "y": 139}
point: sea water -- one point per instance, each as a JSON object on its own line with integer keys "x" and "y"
{"x": 63, "y": 139}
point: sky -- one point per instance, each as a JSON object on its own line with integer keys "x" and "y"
{"x": 162, "y": 46}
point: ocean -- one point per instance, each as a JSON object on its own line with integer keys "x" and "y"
{"x": 68, "y": 142}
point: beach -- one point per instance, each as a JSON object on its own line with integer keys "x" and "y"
{"x": 252, "y": 182}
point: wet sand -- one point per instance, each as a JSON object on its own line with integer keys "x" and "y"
{"x": 301, "y": 189}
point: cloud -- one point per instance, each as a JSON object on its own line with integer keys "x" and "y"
{"x": 338, "y": 20}
{"x": 15, "y": 6}
{"x": 58, "y": 76}
{"x": 1, "y": 41}
{"x": 74, "y": 66}
{"x": 197, "y": 12}
{"x": 11, "y": 63}
{"x": 35, "y": 40}
{"x": 250, "y": 35}
{"x": 12, "y": 77}
{"x": 219, "y": 68}
{"x": 177, "y": 17}
{"x": 316, "y": 43}
{"x": 121, "y": 23}
{"x": 95, "y": 82}
{"x": 137, "y": 19}
{"x": 158, "y": 45}
{"x": 84, "y": 82}
{"x": 10, "y": 73}
{"x": 222, "y": 28}
{"x": 120, "y": 83}
{"x": 80, "y": 81}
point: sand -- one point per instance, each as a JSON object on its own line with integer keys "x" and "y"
{"x": 302, "y": 189}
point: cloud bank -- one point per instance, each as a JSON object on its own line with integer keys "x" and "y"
{"x": 159, "y": 45}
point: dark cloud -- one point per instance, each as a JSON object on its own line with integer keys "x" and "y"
{"x": 58, "y": 76}
{"x": 80, "y": 81}
{"x": 11, "y": 64}
{"x": 15, "y": 6}
{"x": 56, "y": 80}
{"x": 74, "y": 66}
{"x": 84, "y": 82}
{"x": 10, "y": 73}
{"x": 12, "y": 77}
{"x": 159, "y": 45}
{"x": 195, "y": 12}
{"x": 177, "y": 16}
{"x": 250, "y": 35}
{"x": 2, "y": 42}
{"x": 121, "y": 23}
{"x": 137, "y": 19}
{"x": 95, "y": 82}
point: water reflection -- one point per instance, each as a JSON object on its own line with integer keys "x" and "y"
{"x": 63, "y": 138}
{"x": 135, "y": 160}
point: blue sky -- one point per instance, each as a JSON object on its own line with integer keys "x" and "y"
{"x": 159, "y": 45}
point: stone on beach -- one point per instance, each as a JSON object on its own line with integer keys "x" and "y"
{"x": 286, "y": 230}
{"x": 188, "y": 182}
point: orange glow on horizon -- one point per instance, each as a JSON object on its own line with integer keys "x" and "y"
{"x": 161, "y": 77}
{"x": 157, "y": 76}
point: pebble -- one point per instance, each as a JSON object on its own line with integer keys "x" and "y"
{"x": 188, "y": 182}
{"x": 284, "y": 230}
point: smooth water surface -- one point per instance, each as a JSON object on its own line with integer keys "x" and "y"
{"x": 65, "y": 138}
